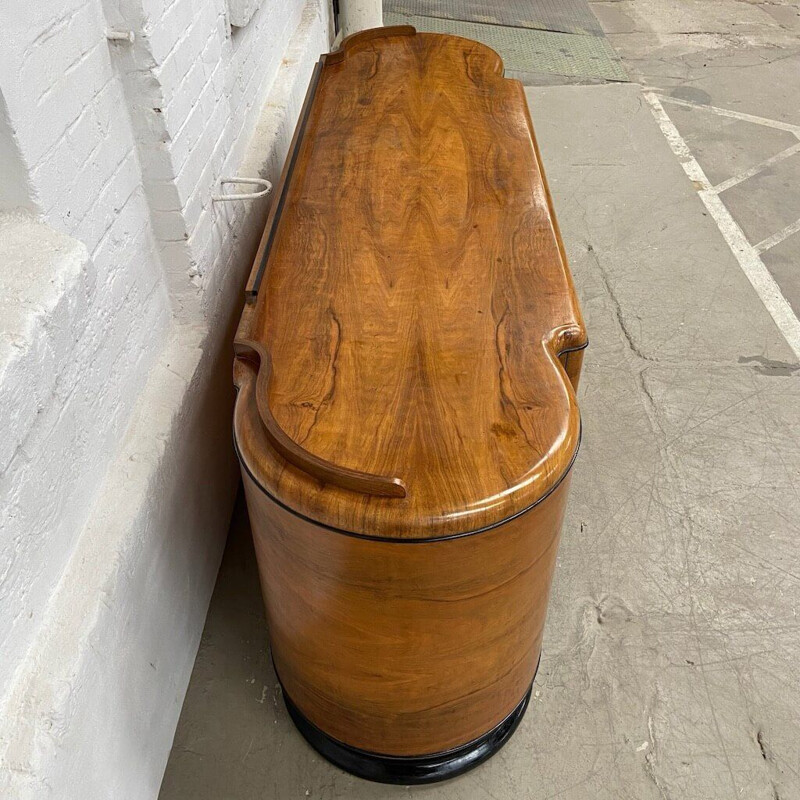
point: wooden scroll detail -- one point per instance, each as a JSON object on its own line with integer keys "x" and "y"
{"x": 567, "y": 344}
{"x": 365, "y": 36}
{"x": 319, "y": 468}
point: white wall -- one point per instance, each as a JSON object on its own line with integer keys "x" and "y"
{"x": 15, "y": 190}
{"x": 120, "y": 287}
{"x": 194, "y": 89}
{"x": 72, "y": 381}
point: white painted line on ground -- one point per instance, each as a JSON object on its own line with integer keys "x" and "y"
{"x": 677, "y": 143}
{"x": 778, "y": 237}
{"x": 747, "y": 255}
{"x": 726, "y": 112}
{"x": 789, "y": 151}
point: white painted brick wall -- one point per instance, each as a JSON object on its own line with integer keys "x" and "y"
{"x": 128, "y": 267}
{"x": 15, "y": 188}
{"x": 71, "y": 387}
{"x": 194, "y": 90}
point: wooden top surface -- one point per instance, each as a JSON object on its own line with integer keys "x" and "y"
{"x": 413, "y": 302}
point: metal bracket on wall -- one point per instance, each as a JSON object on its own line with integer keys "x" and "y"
{"x": 224, "y": 198}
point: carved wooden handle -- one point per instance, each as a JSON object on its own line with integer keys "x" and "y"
{"x": 323, "y": 470}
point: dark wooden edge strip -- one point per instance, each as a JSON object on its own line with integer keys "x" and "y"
{"x": 273, "y": 220}
{"x": 568, "y": 350}
{"x": 319, "y": 468}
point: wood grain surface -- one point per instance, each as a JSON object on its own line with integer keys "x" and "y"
{"x": 415, "y": 300}
{"x": 405, "y": 648}
{"x": 406, "y": 416}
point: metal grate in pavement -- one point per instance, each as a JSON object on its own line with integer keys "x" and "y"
{"x": 564, "y": 16}
{"x": 525, "y": 50}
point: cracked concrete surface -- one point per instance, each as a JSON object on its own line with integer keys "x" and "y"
{"x": 741, "y": 56}
{"x": 694, "y": 546}
{"x": 670, "y": 664}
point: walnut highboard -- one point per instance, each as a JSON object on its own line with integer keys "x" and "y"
{"x": 406, "y": 419}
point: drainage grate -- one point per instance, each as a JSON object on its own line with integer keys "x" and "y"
{"x": 525, "y": 50}
{"x": 564, "y": 16}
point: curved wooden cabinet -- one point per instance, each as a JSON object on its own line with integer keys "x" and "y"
{"x": 406, "y": 420}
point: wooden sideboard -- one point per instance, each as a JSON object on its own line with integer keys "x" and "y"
{"x": 406, "y": 418}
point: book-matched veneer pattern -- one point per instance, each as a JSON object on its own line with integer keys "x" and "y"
{"x": 414, "y": 299}
{"x": 406, "y": 417}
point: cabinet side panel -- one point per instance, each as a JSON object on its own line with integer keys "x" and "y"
{"x": 405, "y": 648}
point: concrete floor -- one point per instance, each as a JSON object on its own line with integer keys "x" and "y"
{"x": 670, "y": 665}
{"x": 728, "y": 74}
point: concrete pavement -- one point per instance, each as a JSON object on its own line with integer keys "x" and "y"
{"x": 671, "y": 649}
{"x": 727, "y": 73}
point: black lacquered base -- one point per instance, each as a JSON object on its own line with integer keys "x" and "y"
{"x": 408, "y": 770}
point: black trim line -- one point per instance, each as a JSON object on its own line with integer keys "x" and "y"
{"x": 408, "y": 770}
{"x": 573, "y": 349}
{"x": 400, "y": 539}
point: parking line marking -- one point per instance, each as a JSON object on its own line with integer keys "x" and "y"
{"x": 778, "y": 237}
{"x": 746, "y": 254}
{"x": 726, "y": 112}
{"x": 754, "y": 170}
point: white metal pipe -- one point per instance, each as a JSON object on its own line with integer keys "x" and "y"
{"x": 358, "y": 15}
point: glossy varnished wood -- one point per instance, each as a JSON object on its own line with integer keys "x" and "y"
{"x": 399, "y": 648}
{"x": 295, "y": 454}
{"x": 413, "y": 302}
{"x": 406, "y": 416}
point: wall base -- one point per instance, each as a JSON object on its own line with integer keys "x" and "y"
{"x": 92, "y": 710}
